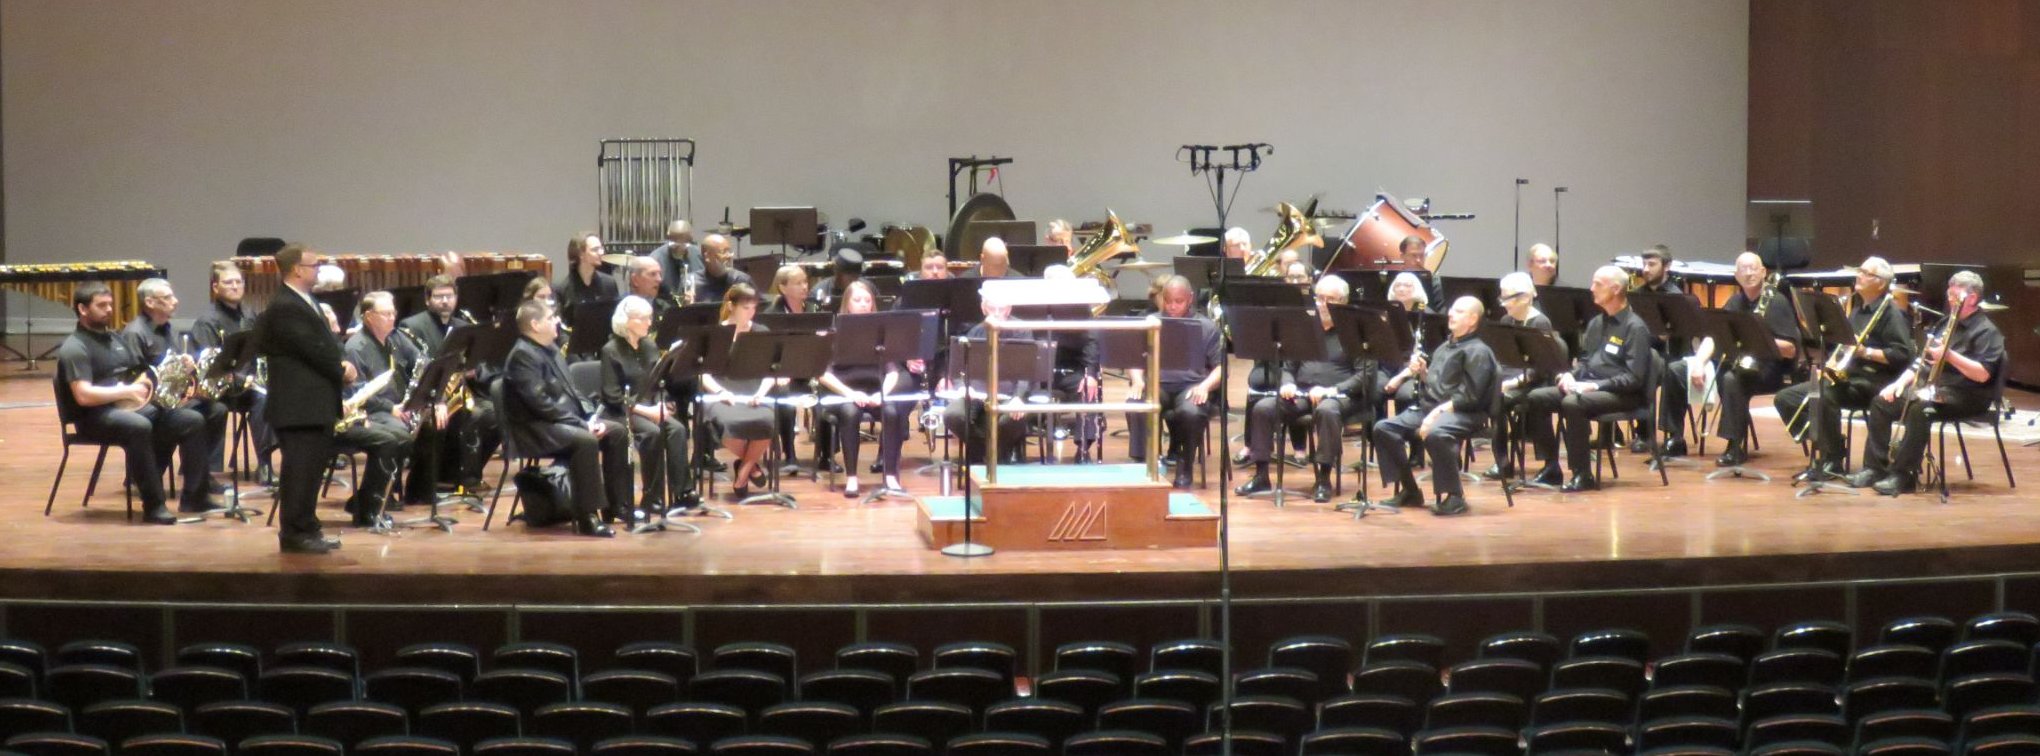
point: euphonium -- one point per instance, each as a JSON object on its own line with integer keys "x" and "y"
{"x": 1109, "y": 243}
{"x": 1294, "y": 230}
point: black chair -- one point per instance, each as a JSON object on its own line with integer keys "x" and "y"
{"x": 747, "y": 689}
{"x": 1977, "y": 692}
{"x": 558, "y": 658}
{"x": 1193, "y": 687}
{"x": 289, "y": 745}
{"x": 695, "y": 722}
{"x": 1201, "y": 654}
{"x": 760, "y": 745}
{"x": 1633, "y": 645}
{"x": 1515, "y": 677}
{"x": 997, "y": 658}
{"x": 522, "y": 689}
{"x": 1933, "y": 724}
{"x": 817, "y": 722}
{"x": 1797, "y": 665}
{"x": 998, "y": 744}
{"x": 239, "y": 657}
{"x": 1541, "y": 649}
{"x": 1116, "y": 743}
{"x": 1686, "y": 732}
{"x": 1103, "y": 656}
{"x": 1331, "y": 659}
{"x": 773, "y": 658}
{"x": 1687, "y": 701}
{"x": 1082, "y": 687}
{"x": 2017, "y": 627}
{"x": 1581, "y": 705}
{"x": 938, "y": 721}
{"x": 972, "y": 687}
{"x": 1905, "y": 747}
{"x": 1797, "y": 748}
{"x": 581, "y": 723}
{"x": 895, "y": 660}
{"x": 116, "y": 721}
{"x": 1284, "y": 717}
{"x": 881, "y": 745}
{"x": 522, "y": 746}
{"x": 405, "y": 745}
{"x": 352, "y": 722}
{"x": 20, "y": 716}
{"x": 1289, "y": 682}
{"x": 465, "y": 723}
{"x": 301, "y": 688}
{"x": 635, "y": 689}
{"x": 1610, "y": 672}
{"x": 1173, "y": 721}
{"x": 2023, "y": 719}
{"x": 1822, "y": 728}
{"x": 412, "y": 688}
{"x": 1054, "y": 721}
{"x": 1415, "y": 681}
{"x": 1826, "y": 635}
{"x": 1994, "y": 413}
{"x": 1369, "y": 711}
{"x": 1485, "y": 741}
{"x": 338, "y": 657}
{"x": 2004, "y": 745}
{"x": 56, "y": 744}
{"x": 458, "y": 659}
{"x": 101, "y": 652}
{"x": 1893, "y": 660}
{"x": 27, "y": 654}
{"x": 235, "y": 721}
{"x": 1928, "y": 632}
{"x": 643, "y": 745}
{"x": 1740, "y": 641}
{"x": 1428, "y": 650}
{"x": 67, "y": 433}
{"x": 1354, "y": 741}
{"x": 77, "y": 686}
{"x": 191, "y": 687}
{"x": 173, "y": 744}
{"x": 1244, "y": 743}
{"x": 1783, "y": 699}
{"x": 1476, "y": 710}
{"x": 861, "y": 689}
{"x": 1600, "y": 737}
{"x": 1701, "y": 668}
{"x": 1979, "y": 657}
{"x": 1641, "y": 417}
{"x": 1881, "y": 694}
{"x": 676, "y": 659}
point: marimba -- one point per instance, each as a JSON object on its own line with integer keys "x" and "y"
{"x": 382, "y": 272}
{"x": 55, "y": 282}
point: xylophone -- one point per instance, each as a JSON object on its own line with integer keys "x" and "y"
{"x": 55, "y": 281}
{"x": 374, "y": 272}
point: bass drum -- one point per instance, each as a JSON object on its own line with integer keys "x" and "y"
{"x": 1375, "y": 243}
{"x": 907, "y": 244}
{"x": 983, "y": 207}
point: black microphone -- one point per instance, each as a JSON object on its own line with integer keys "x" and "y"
{"x": 1522, "y": 182}
{"x": 1558, "y": 190}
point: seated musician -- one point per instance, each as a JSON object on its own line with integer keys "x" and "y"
{"x": 1519, "y": 308}
{"x": 1012, "y": 426}
{"x": 790, "y": 290}
{"x": 1236, "y": 244}
{"x": 1972, "y": 356}
{"x": 471, "y": 433}
{"x": 1322, "y": 392}
{"x": 432, "y": 325}
{"x": 934, "y": 267}
{"x": 1290, "y": 258}
{"x": 1297, "y": 273}
{"x": 102, "y": 382}
{"x": 1391, "y": 380}
{"x": 384, "y": 430}
{"x": 718, "y": 272}
{"x": 1076, "y": 380}
{"x": 647, "y": 281}
{"x": 538, "y": 289}
{"x": 1543, "y": 267}
{"x": 865, "y": 387}
{"x": 655, "y": 424}
{"x": 679, "y": 256}
{"x": 152, "y": 337}
{"x": 846, "y": 266}
{"x": 737, "y": 410}
{"x": 548, "y": 417}
{"x": 1187, "y": 400}
{"x": 1887, "y": 346}
{"x": 1656, "y": 278}
{"x": 1411, "y": 248}
{"x": 1458, "y": 384}
{"x": 791, "y": 295}
{"x": 1607, "y": 376}
{"x": 1735, "y": 383}
{"x": 228, "y": 316}
{"x": 584, "y": 280}
{"x": 994, "y": 261}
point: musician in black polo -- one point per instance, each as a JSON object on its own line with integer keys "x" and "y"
{"x": 433, "y": 324}
{"x": 1458, "y": 386}
{"x": 1187, "y": 394}
{"x": 153, "y": 337}
{"x": 227, "y": 316}
{"x": 1608, "y": 376}
{"x": 1519, "y": 308}
{"x": 1887, "y": 348}
{"x": 97, "y": 372}
{"x": 547, "y": 417}
{"x": 1325, "y": 392}
{"x": 717, "y": 273}
{"x": 1735, "y": 383}
{"x": 384, "y": 432}
{"x": 1974, "y": 354}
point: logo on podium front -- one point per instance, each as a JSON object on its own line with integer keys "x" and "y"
{"x": 1080, "y": 521}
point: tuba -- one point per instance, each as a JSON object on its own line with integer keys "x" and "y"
{"x": 1109, "y": 243}
{"x": 1296, "y": 229}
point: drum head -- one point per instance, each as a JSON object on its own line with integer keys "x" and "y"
{"x": 983, "y": 207}
{"x": 908, "y": 243}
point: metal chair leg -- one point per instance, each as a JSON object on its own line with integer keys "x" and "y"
{"x": 50, "y": 505}
{"x": 93, "y": 483}
{"x": 2002, "y": 455}
{"x": 1963, "y": 446}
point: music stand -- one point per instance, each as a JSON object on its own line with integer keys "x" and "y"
{"x": 1383, "y": 334}
{"x": 797, "y": 227}
{"x": 1487, "y": 290}
{"x": 1568, "y": 308}
{"x": 796, "y": 322}
{"x": 591, "y": 326}
{"x": 770, "y": 356}
{"x": 760, "y": 267}
{"x": 236, "y": 353}
{"x": 1030, "y": 260}
{"x": 973, "y": 357}
{"x": 343, "y": 302}
{"x": 1741, "y": 334}
{"x": 1009, "y": 231}
{"x": 1262, "y": 292}
{"x": 1204, "y": 272}
{"x": 1528, "y": 349}
{"x": 1672, "y": 317}
{"x": 647, "y": 388}
{"x": 1273, "y": 335}
{"x": 886, "y": 338}
{"x": 696, "y": 350}
{"x": 958, "y": 305}
{"x": 408, "y": 300}
{"x": 420, "y": 404}
{"x": 1822, "y": 318}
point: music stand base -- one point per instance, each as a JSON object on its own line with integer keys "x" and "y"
{"x": 784, "y": 500}
{"x": 883, "y": 492}
{"x": 967, "y": 549}
{"x": 1821, "y": 487}
{"x": 704, "y": 510}
{"x": 1738, "y": 471}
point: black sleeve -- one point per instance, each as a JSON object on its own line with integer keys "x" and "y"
{"x": 76, "y": 364}
{"x": 615, "y": 394}
{"x": 303, "y": 338}
{"x": 1989, "y": 349}
{"x": 1895, "y": 333}
{"x": 205, "y": 333}
{"x": 368, "y": 365}
{"x": 1478, "y": 366}
{"x": 526, "y": 379}
{"x": 1636, "y": 353}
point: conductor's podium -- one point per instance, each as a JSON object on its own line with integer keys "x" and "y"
{"x": 1062, "y": 507}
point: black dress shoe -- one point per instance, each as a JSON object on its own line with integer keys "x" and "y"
{"x": 332, "y": 542}
{"x": 1897, "y": 483}
{"x": 1820, "y": 472}
{"x": 1184, "y": 477}
{"x": 1865, "y": 478}
{"x": 590, "y": 525}
{"x": 1549, "y": 476}
{"x": 1321, "y": 492}
{"x": 1498, "y": 471}
{"x": 264, "y": 476}
{"x": 1732, "y": 457}
{"x": 1581, "y": 482}
{"x": 1673, "y": 448}
{"x": 1451, "y": 505}
{"x": 363, "y": 520}
{"x": 712, "y": 464}
{"x": 158, "y": 515}
{"x": 305, "y": 545}
{"x": 1255, "y": 485}
{"x": 758, "y": 478}
{"x": 1639, "y": 446}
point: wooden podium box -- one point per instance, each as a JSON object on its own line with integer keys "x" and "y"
{"x": 1070, "y": 507}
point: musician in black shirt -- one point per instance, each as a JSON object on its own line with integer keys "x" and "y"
{"x": 1974, "y": 354}
{"x": 712, "y": 283}
{"x": 384, "y": 431}
{"x": 228, "y": 316}
{"x": 1187, "y": 399}
{"x": 1458, "y": 387}
{"x": 1323, "y": 391}
{"x": 584, "y": 280}
{"x": 548, "y": 417}
{"x": 1887, "y": 346}
{"x": 1737, "y": 383}
{"x": 1609, "y": 375}
{"x": 1519, "y": 308}
{"x": 863, "y": 389}
{"x": 1012, "y": 426}
{"x": 654, "y": 423}
{"x": 151, "y": 335}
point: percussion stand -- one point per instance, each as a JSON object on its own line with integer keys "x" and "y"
{"x": 1245, "y": 158}
{"x": 1557, "y": 247}
{"x": 27, "y": 335}
{"x": 1828, "y": 326}
{"x": 1516, "y": 253}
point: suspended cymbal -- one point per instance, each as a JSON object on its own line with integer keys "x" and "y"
{"x": 1184, "y": 240}
{"x": 1139, "y": 265}
{"x": 618, "y": 259}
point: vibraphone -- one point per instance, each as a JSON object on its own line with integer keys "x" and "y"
{"x": 55, "y": 281}
{"x": 376, "y": 272}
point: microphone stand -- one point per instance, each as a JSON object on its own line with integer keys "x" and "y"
{"x": 1516, "y": 253}
{"x": 1557, "y": 245}
{"x": 1245, "y": 158}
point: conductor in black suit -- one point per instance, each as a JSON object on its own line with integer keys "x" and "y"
{"x": 548, "y": 417}
{"x": 304, "y": 356}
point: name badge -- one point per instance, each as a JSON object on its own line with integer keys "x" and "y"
{"x": 1612, "y": 349}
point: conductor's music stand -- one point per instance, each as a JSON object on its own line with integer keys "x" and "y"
{"x": 886, "y": 338}
{"x": 796, "y": 227}
{"x": 774, "y": 356}
{"x": 1820, "y": 317}
{"x": 1274, "y": 335}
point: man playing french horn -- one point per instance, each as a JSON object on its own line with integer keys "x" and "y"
{"x": 155, "y": 341}
{"x": 1953, "y": 379}
{"x": 1885, "y": 335}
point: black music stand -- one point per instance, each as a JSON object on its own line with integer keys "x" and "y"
{"x": 973, "y": 357}
{"x": 236, "y": 353}
{"x": 675, "y": 319}
{"x": 649, "y": 388}
{"x": 1487, "y": 290}
{"x": 408, "y": 300}
{"x": 796, "y": 227}
{"x": 796, "y": 322}
{"x": 697, "y": 349}
{"x": 1820, "y": 317}
{"x": 885, "y": 338}
{"x": 1528, "y": 349}
{"x": 1737, "y": 335}
{"x": 343, "y": 302}
{"x": 1673, "y": 318}
{"x": 592, "y": 327}
{"x": 420, "y": 403}
{"x": 1385, "y": 335}
{"x": 958, "y": 305}
{"x": 1031, "y": 260}
{"x": 1204, "y": 272}
{"x": 770, "y": 356}
{"x": 1568, "y": 308}
{"x": 1009, "y": 231}
{"x": 1264, "y": 292}
{"x": 1273, "y": 335}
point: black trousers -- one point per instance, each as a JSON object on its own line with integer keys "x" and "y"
{"x": 1327, "y": 419}
{"x": 1737, "y": 388}
{"x": 1513, "y": 423}
{"x": 306, "y": 450}
{"x": 845, "y": 418}
{"x": 147, "y": 437}
{"x": 1826, "y": 415}
{"x": 662, "y": 453}
{"x": 1085, "y": 427}
{"x": 1672, "y": 404}
{"x": 598, "y": 467}
{"x": 386, "y": 443}
{"x": 1393, "y": 436}
{"x": 1578, "y": 411}
{"x": 1948, "y": 403}
{"x": 1183, "y": 422}
{"x": 1012, "y": 433}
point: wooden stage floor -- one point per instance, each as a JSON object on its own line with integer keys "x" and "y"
{"x": 1632, "y": 534}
